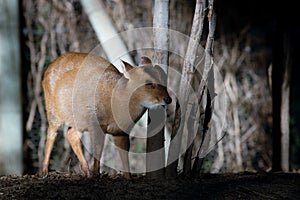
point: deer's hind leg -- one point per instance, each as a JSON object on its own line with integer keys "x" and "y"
{"x": 51, "y": 136}
{"x": 74, "y": 137}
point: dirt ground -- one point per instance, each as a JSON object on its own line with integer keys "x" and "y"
{"x": 208, "y": 186}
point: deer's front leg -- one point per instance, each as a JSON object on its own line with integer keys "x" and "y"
{"x": 122, "y": 143}
{"x": 98, "y": 138}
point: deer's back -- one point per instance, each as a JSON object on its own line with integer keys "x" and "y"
{"x": 77, "y": 87}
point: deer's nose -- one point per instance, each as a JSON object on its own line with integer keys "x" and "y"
{"x": 168, "y": 100}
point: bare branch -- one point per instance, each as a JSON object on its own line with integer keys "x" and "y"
{"x": 186, "y": 79}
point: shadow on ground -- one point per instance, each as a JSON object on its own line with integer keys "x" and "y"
{"x": 208, "y": 186}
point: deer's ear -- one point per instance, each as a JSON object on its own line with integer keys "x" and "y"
{"x": 145, "y": 61}
{"x": 126, "y": 68}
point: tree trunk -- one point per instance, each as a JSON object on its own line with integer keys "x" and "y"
{"x": 105, "y": 29}
{"x": 207, "y": 81}
{"x": 285, "y": 105}
{"x": 186, "y": 79}
{"x": 10, "y": 90}
{"x": 155, "y": 157}
{"x": 280, "y": 96}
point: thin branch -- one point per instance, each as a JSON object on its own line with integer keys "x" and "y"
{"x": 186, "y": 79}
{"x": 208, "y": 48}
{"x": 203, "y": 84}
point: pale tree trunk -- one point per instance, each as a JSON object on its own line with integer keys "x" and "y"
{"x": 155, "y": 157}
{"x": 105, "y": 29}
{"x": 10, "y": 91}
{"x": 285, "y": 107}
{"x": 207, "y": 82}
{"x": 280, "y": 96}
{"x": 188, "y": 70}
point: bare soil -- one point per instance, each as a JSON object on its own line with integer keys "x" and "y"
{"x": 208, "y": 186}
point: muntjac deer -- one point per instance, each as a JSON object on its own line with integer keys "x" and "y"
{"x": 88, "y": 93}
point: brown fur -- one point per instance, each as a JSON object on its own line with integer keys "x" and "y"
{"x": 85, "y": 91}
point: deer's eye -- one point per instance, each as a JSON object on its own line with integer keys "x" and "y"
{"x": 149, "y": 84}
